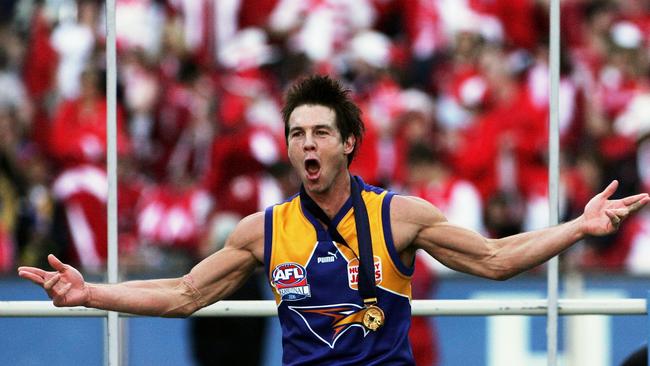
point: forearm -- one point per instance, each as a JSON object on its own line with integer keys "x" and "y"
{"x": 209, "y": 281}
{"x": 164, "y": 297}
{"x": 518, "y": 253}
{"x": 468, "y": 251}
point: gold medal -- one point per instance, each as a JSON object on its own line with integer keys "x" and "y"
{"x": 373, "y": 318}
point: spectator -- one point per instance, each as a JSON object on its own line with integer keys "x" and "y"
{"x": 74, "y": 40}
{"x": 78, "y": 134}
{"x": 78, "y": 142}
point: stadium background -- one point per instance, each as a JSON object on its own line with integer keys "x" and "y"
{"x": 455, "y": 99}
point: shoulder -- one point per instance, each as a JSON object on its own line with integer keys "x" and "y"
{"x": 414, "y": 209}
{"x": 410, "y": 215}
{"x": 253, "y": 222}
{"x": 249, "y": 235}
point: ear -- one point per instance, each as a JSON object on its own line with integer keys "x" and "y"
{"x": 349, "y": 144}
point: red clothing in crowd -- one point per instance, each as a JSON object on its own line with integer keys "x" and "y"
{"x": 366, "y": 163}
{"x": 172, "y": 216}
{"x": 237, "y": 164}
{"x": 83, "y": 191}
{"x": 518, "y": 17}
{"x": 78, "y": 141}
{"x": 174, "y": 116}
{"x": 41, "y": 59}
{"x": 7, "y": 251}
{"x": 129, "y": 191}
{"x": 423, "y": 27}
{"x": 376, "y": 161}
{"x": 254, "y": 13}
{"x": 515, "y": 124}
{"x": 79, "y": 133}
{"x": 39, "y": 70}
{"x": 438, "y": 194}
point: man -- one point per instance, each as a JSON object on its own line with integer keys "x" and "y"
{"x": 329, "y": 308}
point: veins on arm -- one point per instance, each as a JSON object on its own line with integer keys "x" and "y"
{"x": 220, "y": 274}
{"x": 417, "y": 224}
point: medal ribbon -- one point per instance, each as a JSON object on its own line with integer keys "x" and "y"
{"x": 366, "y": 283}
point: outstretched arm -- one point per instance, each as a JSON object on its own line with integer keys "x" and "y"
{"x": 212, "y": 279}
{"x": 424, "y": 227}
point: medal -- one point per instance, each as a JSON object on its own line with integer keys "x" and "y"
{"x": 373, "y": 318}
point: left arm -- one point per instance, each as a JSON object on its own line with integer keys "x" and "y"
{"x": 419, "y": 225}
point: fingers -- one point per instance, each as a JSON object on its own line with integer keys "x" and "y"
{"x": 632, "y": 199}
{"x": 638, "y": 204}
{"x": 613, "y": 218}
{"x": 611, "y": 188}
{"x": 36, "y": 275}
{"x": 49, "y": 284}
{"x": 39, "y": 280}
{"x": 620, "y": 212}
{"x": 55, "y": 263}
{"x": 33, "y": 270}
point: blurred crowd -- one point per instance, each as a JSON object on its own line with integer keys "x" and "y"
{"x": 454, "y": 96}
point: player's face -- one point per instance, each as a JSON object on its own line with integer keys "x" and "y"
{"x": 316, "y": 149}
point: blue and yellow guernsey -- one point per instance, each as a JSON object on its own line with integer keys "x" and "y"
{"x": 314, "y": 281}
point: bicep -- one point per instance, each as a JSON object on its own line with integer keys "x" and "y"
{"x": 456, "y": 247}
{"x": 422, "y": 226}
{"x": 220, "y": 274}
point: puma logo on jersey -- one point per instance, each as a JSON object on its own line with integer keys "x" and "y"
{"x": 331, "y": 257}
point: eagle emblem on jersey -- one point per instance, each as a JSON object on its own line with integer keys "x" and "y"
{"x": 329, "y": 322}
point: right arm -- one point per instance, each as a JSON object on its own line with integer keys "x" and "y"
{"x": 214, "y": 278}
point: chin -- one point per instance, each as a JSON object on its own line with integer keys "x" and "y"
{"x": 311, "y": 186}
{"x": 317, "y": 186}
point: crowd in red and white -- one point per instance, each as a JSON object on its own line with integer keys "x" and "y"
{"x": 454, "y": 96}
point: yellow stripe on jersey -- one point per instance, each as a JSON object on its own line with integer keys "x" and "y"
{"x": 391, "y": 277}
{"x": 298, "y": 238}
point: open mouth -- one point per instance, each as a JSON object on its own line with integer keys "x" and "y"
{"x": 312, "y": 167}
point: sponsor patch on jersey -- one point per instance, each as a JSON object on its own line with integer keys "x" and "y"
{"x": 290, "y": 281}
{"x": 353, "y": 273}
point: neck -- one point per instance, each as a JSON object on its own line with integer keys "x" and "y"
{"x": 332, "y": 199}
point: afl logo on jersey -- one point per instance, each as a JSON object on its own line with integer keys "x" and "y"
{"x": 290, "y": 281}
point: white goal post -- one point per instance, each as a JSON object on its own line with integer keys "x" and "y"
{"x": 267, "y": 308}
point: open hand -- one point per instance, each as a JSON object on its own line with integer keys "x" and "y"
{"x": 603, "y": 216}
{"x": 65, "y": 286}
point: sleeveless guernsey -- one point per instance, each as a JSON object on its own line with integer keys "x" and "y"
{"x": 314, "y": 281}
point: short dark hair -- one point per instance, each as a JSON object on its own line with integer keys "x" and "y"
{"x": 327, "y": 92}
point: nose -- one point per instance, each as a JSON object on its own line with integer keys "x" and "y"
{"x": 309, "y": 143}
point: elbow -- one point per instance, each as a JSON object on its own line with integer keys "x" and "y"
{"x": 188, "y": 310}
{"x": 183, "y": 311}
{"x": 498, "y": 269}
{"x": 505, "y": 271}
{"x": 187, "y": 299}
{"x": 502, "y": 275}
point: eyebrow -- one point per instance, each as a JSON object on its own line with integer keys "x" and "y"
{"x": 315, "y": 127}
